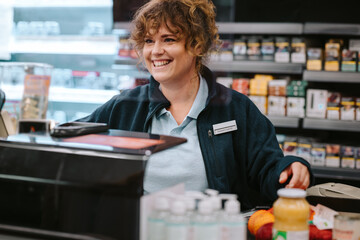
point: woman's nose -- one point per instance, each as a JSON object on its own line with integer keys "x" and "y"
{"x": 158, "y": 48}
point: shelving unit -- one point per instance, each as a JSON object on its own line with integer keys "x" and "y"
{"x": 326, "y": 76}
{"x": 261, "y": 28}
{"x": 332, "y": 125}
{"x": 256, "y": 67}
{"x": 332, "y": 29}
{"x": 337, "y": 173}
{"x": 286, "y": 122}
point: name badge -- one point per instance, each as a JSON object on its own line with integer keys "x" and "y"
{"x": 224, "y": 127}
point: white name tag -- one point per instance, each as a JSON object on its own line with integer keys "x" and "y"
{"x": 224, "y": 127}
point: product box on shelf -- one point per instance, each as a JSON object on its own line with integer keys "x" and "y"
{"x": 357, "y": 162}
{"x": 304, "y": 149}
{"x": 226, "y": 51}
{"x": 357, "y": 109}
{"x": 298, "y": 50}
{"x": 282, "y": 49}
{"x": 267, "y": 49}
{"x": 295, "y": 107}
{"x": 314, "y": 59}
{"x": 260, "y": 102}
{"x": 240, "y": 49}
{"x": 290, "y": 146}
{"x": 333, "y": 105}
{"x": 276, "y": 105}
{"x": 226, "y": 81}
{"x": 241, "y": 85}
{"x": 332, "y": 155}
{"x": 316, "y": 101}
{"x": 296, "y": 88}
{"x": 254, "y": 48}
{"x": 332, "y": 55}
{"x": 349, "y": 60}
{"x": 348, "y": 156}
{"x": 347, "y": 111}
{"x": 318, "y": 154}
{"x": 259, "y": 86}
{"x": 278, "y": 87}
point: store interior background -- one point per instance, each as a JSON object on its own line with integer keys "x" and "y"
{"x": 84, "y": 50}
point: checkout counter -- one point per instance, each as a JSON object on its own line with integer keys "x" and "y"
{"x": 74, "y": 188}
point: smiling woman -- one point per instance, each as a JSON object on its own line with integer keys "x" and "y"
{"x": 231, "y": 146}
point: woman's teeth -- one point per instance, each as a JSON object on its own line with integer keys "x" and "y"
{"x": 161, "y": 63}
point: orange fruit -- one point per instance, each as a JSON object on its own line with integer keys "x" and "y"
{"x": 258, "y": 219}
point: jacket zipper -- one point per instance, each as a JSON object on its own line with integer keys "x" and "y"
{"x": 217, "y": 163}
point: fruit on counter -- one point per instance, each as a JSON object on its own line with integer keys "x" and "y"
{"x": 258, "y": 219}
{"x": 316, "y": 234}
{"x": 264, "y": 232}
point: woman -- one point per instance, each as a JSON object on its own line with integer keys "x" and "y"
{"x": 231, "y": 146}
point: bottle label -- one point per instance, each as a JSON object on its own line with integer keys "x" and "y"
{"x": 290, "y": 235}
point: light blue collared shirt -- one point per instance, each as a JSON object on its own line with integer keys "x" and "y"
{"x": 183, "y": 163}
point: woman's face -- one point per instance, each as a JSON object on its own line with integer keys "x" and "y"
{"x": 166, "y": 57}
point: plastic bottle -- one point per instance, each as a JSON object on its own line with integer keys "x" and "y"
{"x": 205, "y": 224}
{"x": 291, "y": 212}
{"x": 233, "y": 224}
{"x": 156, "y": 219}
{"x": 216, "y": 202}
{"x": 177, "y": 223}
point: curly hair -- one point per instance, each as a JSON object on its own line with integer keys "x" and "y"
{"x": 193, "y": 20}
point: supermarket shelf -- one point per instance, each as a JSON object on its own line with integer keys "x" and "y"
{"x": 245, "y": 28}
{"x": 260, "y": 28}
{"x": 332, "y": 29}
{"x": 64, "y": 95}
{"x": 256, "y": 67}
{"x": 287, "y": 122}
{"x": 65, "y": 45}
{"x": 326, "y": 76}
{"x": 334, "y": 125}
{"x": 62, "y": 3}
{"x": 336, "y": 173}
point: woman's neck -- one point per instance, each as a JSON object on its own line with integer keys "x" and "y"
{"x": 181, "y": 97}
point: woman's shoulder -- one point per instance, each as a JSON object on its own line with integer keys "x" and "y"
{"x": 139, "y": 92}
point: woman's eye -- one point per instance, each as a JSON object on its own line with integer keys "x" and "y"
{"x": 148, "y": 41}
{"x": 170, "y": 40}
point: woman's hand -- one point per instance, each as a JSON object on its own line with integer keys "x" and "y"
{"x": 299, "y": 173}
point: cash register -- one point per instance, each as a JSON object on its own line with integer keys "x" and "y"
{"x": 83, "y": 187}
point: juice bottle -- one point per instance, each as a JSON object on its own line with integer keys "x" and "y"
{"x": 291, "y": 212}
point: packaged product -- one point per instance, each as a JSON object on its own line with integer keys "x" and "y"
{"x": 253, "y": 48}
{"x": 282, "y": 49}
{"x": 357, "y": 162}
{"x": 226, "y": 81}
{"x": 348, "y": 157}
{"x": 226, "y": 51}
{"x": 267, "y": 49}
{"x": 332, "y": 155}
{"x": 298, "y": 50}
{"x": 295, "y": 107}
{"x": 318, "y": 154}
{"x": 304, "y": 149}
{"x": 291, "y": 211}
{"x": 349, "y": 60}
{"x": 278, "y": 87}
{"x": 333, "y": 105}
{"x": 276, "y": 105}
{"x": 241, "y": 85}
{"x": 240, "y": 49}
{"x": 332, "y": 55}
{"x": 357, "y": 109}
{"x": 314, "y": 59}
{"x": 260, "y": 102}
{"x": 316, "y": 101}
{"x": 290, "y": 146}
{"x": 347, "y": 111}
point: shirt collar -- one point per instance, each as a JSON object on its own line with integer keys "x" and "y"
{"x": 198, "y": 104}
